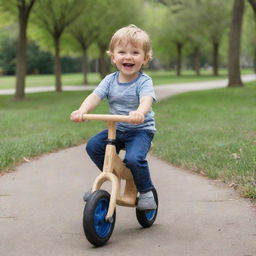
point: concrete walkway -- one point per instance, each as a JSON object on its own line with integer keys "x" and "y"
{"x": 41, "y": 210}
{"x": 163, "y": 91}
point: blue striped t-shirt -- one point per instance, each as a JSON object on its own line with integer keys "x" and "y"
{"x": 125, "y": 97}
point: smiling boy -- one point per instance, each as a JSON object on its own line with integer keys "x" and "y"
{"x": 129, "y": 92}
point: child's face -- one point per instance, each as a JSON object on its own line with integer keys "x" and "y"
{"x": 129, "y": 59}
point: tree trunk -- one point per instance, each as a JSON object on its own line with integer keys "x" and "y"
{"x": 234, "y": 75}
{"x": 215, "y": 58}
{"x": 254, "y": 61}
{"x": 102, "y": 64}
{"x": 57, "y": 65}
{"x": 179, "y": 58}
{"x": 85, "y": 66}
{"x": 253, "y": 5}
{"x": 21, "y": 56}
{"x": 197, "y": 61}
{"x": 21, "y": 64}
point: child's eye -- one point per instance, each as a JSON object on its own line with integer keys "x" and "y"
{"x": 121, "y": 52}
{"x": 135, "y": 53}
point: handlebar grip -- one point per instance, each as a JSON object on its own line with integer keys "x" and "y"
{"x": 114, "y": 118}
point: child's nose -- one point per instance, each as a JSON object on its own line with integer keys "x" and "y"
{"x": 128, "y": 56}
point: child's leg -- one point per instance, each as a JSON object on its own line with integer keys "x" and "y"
{"x": 137, "y": 145}
{"x": 96, "y": 148}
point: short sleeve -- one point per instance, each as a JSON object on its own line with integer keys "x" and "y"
{"x": 103, "y": 88}
{"x": 146, "y": 88}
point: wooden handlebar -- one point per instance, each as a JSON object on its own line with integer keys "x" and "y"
{"x": 113, "y": 118}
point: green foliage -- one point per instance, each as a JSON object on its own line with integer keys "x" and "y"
{"x": 85, "y": 29}
{"x": 249, "y": 35}
{"x": 8, "y": 46}
{"x": 111, "y": 20}
{"x": 51, "y": 18}
{"x": 190, "y": 22}
{"x": 39, "y": 62}
{"x": 8, "y": 11}
{"x": 163, "y": 48}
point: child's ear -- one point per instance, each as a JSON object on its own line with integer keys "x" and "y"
{"x": 146, "y": 60}
{"x": 111, "y": 55}
{"x": 112, "y": 58}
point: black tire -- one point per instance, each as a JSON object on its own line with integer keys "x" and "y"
{"x": 148, "y": 217}
{"x": 96, "y": 229}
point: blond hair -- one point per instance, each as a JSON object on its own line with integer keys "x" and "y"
{"x": 135, "y": 36}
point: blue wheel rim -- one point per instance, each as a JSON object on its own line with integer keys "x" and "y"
{"x": 102, "y": 227}
{"x": 150, "y": 215}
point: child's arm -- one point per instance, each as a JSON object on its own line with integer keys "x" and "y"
{"x": 138, "y": 116}
{"x": 88, "y": 105}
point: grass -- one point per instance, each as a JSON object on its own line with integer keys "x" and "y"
{"x": 211, "y": 132}
{"x": 40, "y": 124}
{"x": 159, "y": 77}
{"x": 169, "y": 77}
{"x": 8, "y": 82}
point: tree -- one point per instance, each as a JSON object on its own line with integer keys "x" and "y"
{"x": 177, "y": 34}
{"x": 84, "y": 30}
{"x": 162, "y": 48}
{"x": 23, "y": 9}
{"x": 253, "y": 5}
{"x": 215, "y": 20}
{"x": 54, "y": 16}
{"x": 193, "y": 21}
{"x": 112, "y": 20}
{"x": 234, "y": 76}
{"x": 177, "y": 26}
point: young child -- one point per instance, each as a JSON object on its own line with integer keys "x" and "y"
{"x": 129, "y": 92}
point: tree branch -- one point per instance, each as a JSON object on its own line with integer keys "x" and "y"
{"x": 253, "y": 4}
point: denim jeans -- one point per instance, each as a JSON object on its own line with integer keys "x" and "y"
{"x": 137, "y": 145}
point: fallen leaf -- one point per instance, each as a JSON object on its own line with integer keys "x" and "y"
{"x": 26, "y": 159}
{"x": 236, "y": 156}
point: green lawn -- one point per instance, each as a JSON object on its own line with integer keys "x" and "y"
{"x": 212, "y": 132}
{"x": 40, "y": 124}
{"x": 159, "y": 77}
{"x": 8, "y": 82}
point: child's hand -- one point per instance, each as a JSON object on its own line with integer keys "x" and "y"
{"x": 76, "y": 116}
{"x": 136, "y": 117}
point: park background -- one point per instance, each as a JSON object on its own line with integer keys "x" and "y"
{"x": 51, "y": 42}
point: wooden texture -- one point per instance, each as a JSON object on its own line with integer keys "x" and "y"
{"x": 114, "y": 118}
{"x": 114, "y": 170}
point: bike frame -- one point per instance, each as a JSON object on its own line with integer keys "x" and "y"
{"x": 114, "y": 170}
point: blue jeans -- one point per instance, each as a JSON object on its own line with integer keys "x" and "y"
{"x": 137, "y": 145}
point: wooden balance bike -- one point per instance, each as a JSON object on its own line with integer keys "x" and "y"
{"x": 99, "y": 213}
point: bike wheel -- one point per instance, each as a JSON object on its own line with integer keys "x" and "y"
{"x": 146, "y": 218}
{"x": 97, "y": 230}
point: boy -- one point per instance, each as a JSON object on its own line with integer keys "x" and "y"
{"x": 129, "y": 92}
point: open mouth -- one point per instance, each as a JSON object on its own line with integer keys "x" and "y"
{"x": 128, "y": 65}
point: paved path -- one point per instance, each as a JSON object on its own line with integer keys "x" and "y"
{"x": 41, "y": 211}
{"x": 163, "y": 91}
